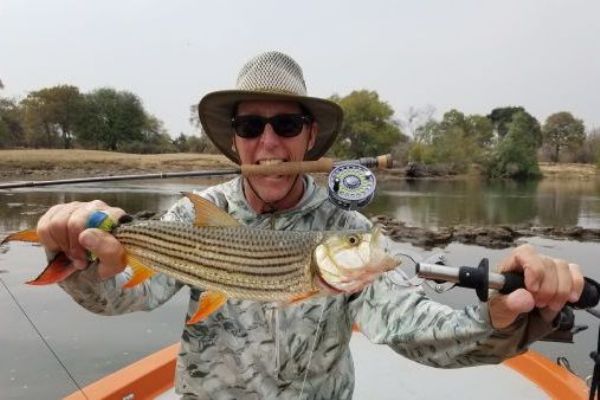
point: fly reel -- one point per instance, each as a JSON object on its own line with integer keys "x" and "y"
{"x": 351, "y": 186}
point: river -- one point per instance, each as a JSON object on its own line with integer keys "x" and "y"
{"x": 91, "y": 346}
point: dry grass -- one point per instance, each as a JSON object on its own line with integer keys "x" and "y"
{"x": 569, "y": 171}
{"x": 109, "y": 161}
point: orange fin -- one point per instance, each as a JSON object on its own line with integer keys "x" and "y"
{"x": 30, "y": 235}
{"x": 140, "y": 272}
{"x": 208, "y": 214}
{"x": 58, "y": 270}
{"x": 208, "y": 303}
{"x": 299, "y": 298}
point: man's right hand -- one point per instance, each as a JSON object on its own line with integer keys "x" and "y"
{"x": 62, "y": 228}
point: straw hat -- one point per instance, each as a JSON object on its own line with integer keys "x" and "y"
{"x": 268, "y": 76}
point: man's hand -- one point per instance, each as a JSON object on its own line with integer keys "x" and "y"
{"x": 62, "y": 228}
{"x": 550, "y": 283}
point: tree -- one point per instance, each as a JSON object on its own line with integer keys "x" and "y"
{"x": 562, "y": 130}
{"x": 199, "y": 143}
{"x": 111, "y": 118}
{"x": 481, "y": 129}
{"x": 501, "y": 117}
{"x": 416, "y": 117}
{"x": 11, "y": 127}
{"x": 515, "y": 155}
{"x": 368, "y": 126}
{"x": 52, "y": 113}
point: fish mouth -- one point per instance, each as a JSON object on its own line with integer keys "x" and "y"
{"x": 327, "y": 286}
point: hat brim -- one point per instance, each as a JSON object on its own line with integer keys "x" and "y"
{"x": 216, "y": 110}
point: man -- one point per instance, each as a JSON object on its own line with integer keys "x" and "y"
{"x": 250, "y": 350}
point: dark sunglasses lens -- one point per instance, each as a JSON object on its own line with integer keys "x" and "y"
{"x": 287, "y": 125}
{"x": 249, "y": 126}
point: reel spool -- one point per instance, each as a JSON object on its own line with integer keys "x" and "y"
{"x": 351, "y": 186}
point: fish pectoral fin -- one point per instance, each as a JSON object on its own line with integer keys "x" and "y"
{"x": 57, "y": 270}
{"x": 208, "y": 214}
{"x": 29, "y": 235}
{"x": 140, "y": 271}
{"x": 208, "y": 303}
{"x": 299, "y": 298}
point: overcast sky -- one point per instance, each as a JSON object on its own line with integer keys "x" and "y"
{"x": 470, "y": 55}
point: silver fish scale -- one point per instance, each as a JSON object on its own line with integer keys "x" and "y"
{"x": 241, "y": 262}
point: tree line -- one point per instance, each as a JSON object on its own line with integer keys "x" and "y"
{"x": 507, "y": 142}
{"x": 103, "y": 119}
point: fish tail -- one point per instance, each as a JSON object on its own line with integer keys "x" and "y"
{"x": 29, "y": 235}
{"x": 59, "y": 269}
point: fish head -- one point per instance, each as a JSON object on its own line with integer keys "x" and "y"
{"x": 347, "y": 262}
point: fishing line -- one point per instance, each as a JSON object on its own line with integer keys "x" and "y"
{"x": 43, "y": 339}
{"x": 312, "y": 351}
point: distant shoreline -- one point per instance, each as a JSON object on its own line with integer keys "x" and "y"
{"x": 43, "y": 164}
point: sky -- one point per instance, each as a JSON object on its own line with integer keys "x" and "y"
{"x": 470, "y": 55}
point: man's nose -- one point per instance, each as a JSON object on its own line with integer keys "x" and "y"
{"x": 269, "y": 138}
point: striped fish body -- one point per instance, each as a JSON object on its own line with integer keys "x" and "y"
{"x": 240, "y": 262}
{"x": 228, "y": 260}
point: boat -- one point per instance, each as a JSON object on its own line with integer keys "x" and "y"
{"x": 380, "y": 374}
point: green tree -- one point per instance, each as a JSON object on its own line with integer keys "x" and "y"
{"x": 456, "y": 141}
{"x": 561, "y": 131}
{"x": 516, "y": 154}
{"x": 11, "y": 126}
{"x": 52, "y": 113}
{"x": 368, "y": 127}
{"x": 501, "y": 117}
{"x": 481, "y": 129}
{"x": 111, "y": 118}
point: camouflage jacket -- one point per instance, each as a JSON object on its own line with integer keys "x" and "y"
{"x": 251, "y": 350}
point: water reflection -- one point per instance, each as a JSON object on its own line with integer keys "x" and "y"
{"x": 473, "y": 202}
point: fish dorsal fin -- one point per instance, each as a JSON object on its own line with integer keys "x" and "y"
{"x": 140, "y": 271}
{"x": 208, "y": 214}
{"x": 208, "y": 303}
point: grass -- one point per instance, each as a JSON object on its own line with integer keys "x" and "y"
{"x": 568, "y": 170}
{"x": 48, "y": 159}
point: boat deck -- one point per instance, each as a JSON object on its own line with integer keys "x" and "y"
{"x": 384, "y": 375}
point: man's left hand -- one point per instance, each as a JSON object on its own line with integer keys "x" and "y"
{"x": 550, "y": 283}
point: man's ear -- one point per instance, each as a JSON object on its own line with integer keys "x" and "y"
{"x": 314, "y": 131}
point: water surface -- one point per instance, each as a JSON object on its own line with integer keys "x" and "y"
{"x": 92, "y": 346}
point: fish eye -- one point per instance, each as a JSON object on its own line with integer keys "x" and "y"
{"x": 353, "y": 240}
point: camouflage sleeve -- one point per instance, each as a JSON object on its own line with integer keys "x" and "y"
{"x": 108, "y": 297}
{"x": 395, "y": 312}
{"x": 392, "y": 311}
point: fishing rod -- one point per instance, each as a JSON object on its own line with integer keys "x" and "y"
{"x": 351, "y": 183}
{"x": 288, "y": 168}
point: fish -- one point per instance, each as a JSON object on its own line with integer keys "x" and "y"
{"x": 229, "y": 260}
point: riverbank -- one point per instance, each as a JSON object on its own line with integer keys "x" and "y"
{"x": 57, "y": 163}
{"x": 34, "y": 164}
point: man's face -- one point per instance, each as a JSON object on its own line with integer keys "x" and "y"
{"x": 272, "y": 148}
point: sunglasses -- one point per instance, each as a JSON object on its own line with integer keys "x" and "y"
{"x": 284, "y": 125}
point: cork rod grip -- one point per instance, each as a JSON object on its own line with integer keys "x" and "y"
{"x": 289, "y": 168}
